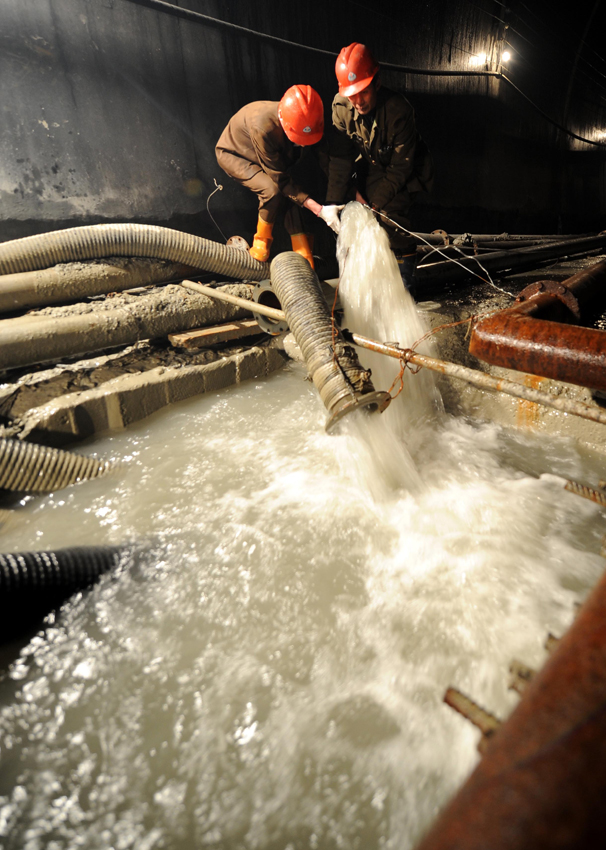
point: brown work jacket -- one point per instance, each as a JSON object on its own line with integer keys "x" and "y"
{"x": 255, "y": 135}
{"x": 398, "y": 159}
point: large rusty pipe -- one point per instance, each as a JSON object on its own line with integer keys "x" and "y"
{"x": 541, "y": 784}
{"x": 517, "y": 338}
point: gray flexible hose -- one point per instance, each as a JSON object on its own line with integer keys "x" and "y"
{"x": 127, "y": 240}
{"x": 340, "y": 379}
{"x": 29, "y": 467}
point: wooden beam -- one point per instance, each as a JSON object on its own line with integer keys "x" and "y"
{"x": 211, "y": 336}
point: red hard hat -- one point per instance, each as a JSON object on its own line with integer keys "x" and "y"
{"x": 301, "y": 115}
{"x": 355, "y": 68}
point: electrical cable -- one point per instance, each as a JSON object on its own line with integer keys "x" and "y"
{"x": 162, "y": 5}
{"x": 218, "y": 189}
{"x": 198, "y": 17}
{"x": 446, "y": 257}
{"x": 557, "y": 37}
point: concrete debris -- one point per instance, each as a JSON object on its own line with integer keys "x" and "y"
{"x": 110, "y": 392}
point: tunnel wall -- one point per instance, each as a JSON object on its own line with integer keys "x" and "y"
{"x": 111, "y": 108}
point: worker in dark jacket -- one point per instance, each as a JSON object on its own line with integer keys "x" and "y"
{"x": 258, "y": 148}
{"x": 375, "y": 138}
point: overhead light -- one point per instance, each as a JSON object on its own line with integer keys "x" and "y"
{"x": 506, "y": 56}
{"x": 600, "y": 134}
{"x": 477, "y": 59}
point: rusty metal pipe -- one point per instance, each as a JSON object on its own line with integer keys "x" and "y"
{"x": 517, "y": 338}
{"x": 481, "y": 379}
{"x": 541, "y": 784}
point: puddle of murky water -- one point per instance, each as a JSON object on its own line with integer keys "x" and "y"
{"x": 270, "y": 671}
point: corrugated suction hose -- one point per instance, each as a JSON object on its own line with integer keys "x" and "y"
{"x": 333, "y": 365}
{"x": 33, "y": 583}
{"x": 33, "y": 468}
{"x": 68, "y": 569}
{"x": 127, "y": 240}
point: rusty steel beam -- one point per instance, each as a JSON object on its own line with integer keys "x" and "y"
{"x": 541, "y": 784}
{"x": 532, "y": 335}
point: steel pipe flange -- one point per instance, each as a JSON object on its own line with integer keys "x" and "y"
{"x": 376, "y": 401}
{"x": 264, "y": 294}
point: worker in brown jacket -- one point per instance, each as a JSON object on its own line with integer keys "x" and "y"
{"x": 258, "y": 148}
{"x": 375, "y": 140}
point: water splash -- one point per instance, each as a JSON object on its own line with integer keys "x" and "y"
{"x": 377, "y": 305}
{"x": 272, "y": 673}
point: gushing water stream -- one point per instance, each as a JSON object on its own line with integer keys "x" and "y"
{"x": 268, "y": 671}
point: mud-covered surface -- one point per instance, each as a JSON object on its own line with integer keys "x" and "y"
{"x": 33, "y": 390}
{"x": 79, "y": 281}
{"x": 23, "y": 389}
{"x": 51, "y": 334}
{"x": 170, "y": 297}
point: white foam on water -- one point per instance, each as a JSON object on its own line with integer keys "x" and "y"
{"x": 270, "y": 672}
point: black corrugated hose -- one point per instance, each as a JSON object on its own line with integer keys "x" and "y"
{"x": 33, "y": 583}
{"x": 333, "y": 365}
{"x": 29, "y": 467}
{"x": 127, "y": 240}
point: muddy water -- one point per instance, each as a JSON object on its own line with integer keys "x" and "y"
{"x": 268, "y": 670}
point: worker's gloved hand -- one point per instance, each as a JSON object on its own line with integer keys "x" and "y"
{"x": 330, "y": 214}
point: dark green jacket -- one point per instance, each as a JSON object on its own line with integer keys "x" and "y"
{"x": 398, "y": 159}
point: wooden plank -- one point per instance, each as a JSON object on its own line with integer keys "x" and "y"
{"x": 202, "y": 337}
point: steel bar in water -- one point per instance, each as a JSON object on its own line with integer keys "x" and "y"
{"x": 597, "y": 496}
{"x": 520, "y": 676}
{"x": 486, "y": 722}
{"x": 453, "y": 370}
{"x": 525, "y": 337}
{"x": 542, "y": 781}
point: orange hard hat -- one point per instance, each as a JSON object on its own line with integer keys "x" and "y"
{"x": 355, "y": 68}
{"x": 301, "y": 115}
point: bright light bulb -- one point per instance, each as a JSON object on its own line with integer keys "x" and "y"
{"x": 506, "y": 56}
{"x": 478, "y": 59}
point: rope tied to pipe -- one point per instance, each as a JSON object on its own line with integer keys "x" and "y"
{"x": 415, "y": 368}
{"x": 405, "y": 363}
